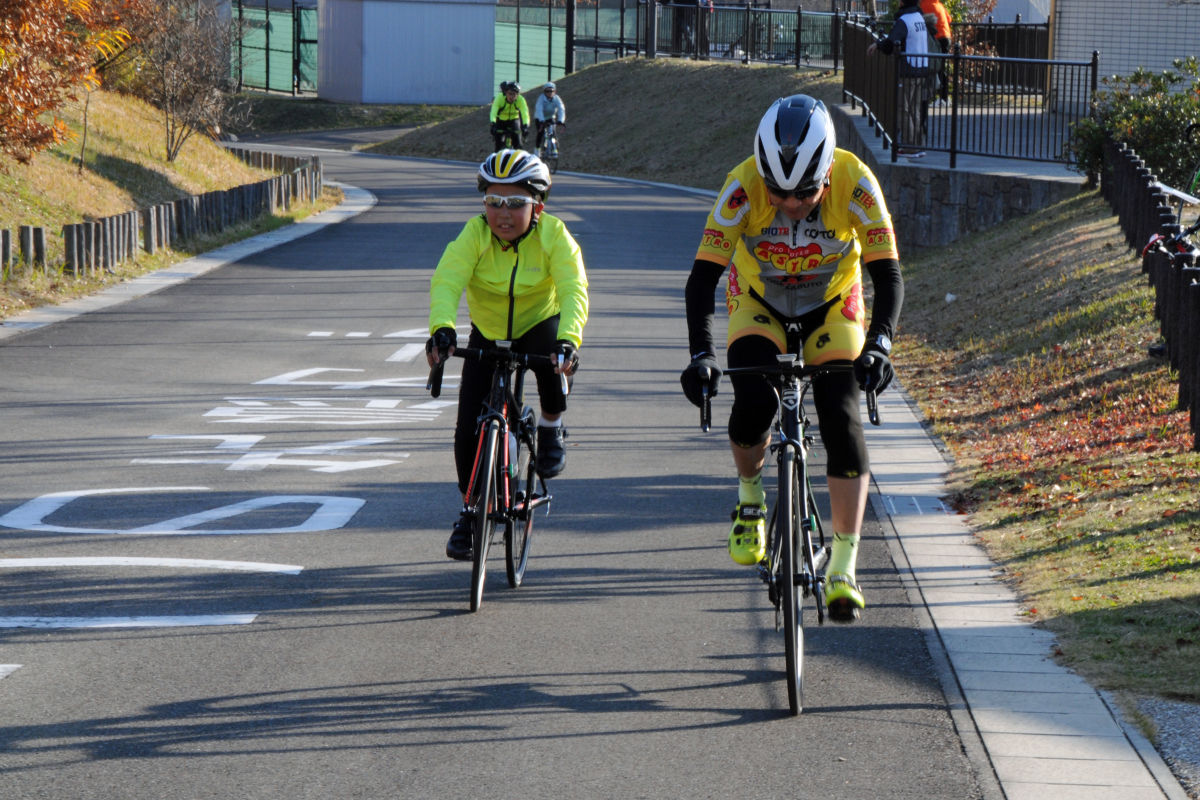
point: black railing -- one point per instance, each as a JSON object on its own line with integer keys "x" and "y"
{"x": 1144, "y": 208}
{"x": 1019, "y": 108}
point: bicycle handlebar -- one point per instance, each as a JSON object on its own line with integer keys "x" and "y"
{"x": 786, "y": 368}
{"x": 1162, "y": 244}
{"x": 496, "y": 355}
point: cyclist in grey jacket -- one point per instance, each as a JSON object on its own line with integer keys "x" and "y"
{"x": 548, "y": 107}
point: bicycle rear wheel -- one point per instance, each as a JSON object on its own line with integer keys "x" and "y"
{"x": 788, "y": 529}
{"x": 519, "y": 527}
{"x": 483, "y": 502}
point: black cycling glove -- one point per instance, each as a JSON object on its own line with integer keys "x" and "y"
{"x": 443, "y": 339}
{"x": 702, "y": 372}
{"x": 873, "y": 369}
{"x": 568, "y": 354}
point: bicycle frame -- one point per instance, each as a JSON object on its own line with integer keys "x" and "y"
{"x": 498, "y": 492}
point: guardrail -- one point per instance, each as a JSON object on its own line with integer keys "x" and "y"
{"x": 1019, "y": 108}
{"x": 1144, "y": 208}
{"x": 98, "y": 245}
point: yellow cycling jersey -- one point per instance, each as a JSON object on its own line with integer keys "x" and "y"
{"x": 512, "y": 286}
{"x": 797, "y": 266}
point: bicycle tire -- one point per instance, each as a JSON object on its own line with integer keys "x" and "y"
{"x": 483, "y": 500}
{"x": 519, "y": 526}
{"x": 787, "y": 529}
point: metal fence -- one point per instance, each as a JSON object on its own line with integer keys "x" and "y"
{"x": 1000, "y": 107}
{"x": 1144, "y": 207}
{"x": 276, "y": 47}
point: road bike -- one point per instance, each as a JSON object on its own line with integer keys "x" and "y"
{"x": 505, "y": 489}
{"x": 548, "y": 152}
{"x": 794, "y": 566}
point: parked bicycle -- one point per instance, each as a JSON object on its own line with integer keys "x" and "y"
{"x": 505, "y": 489}
{"x": 794, "y": 566}
{"x": 548, "y": 151}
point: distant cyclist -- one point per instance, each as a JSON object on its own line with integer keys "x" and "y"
{"x": 795, "y": 224}
{"x": 548, "y": 108}
{"x": 509, "y": 115}
{"x": 523, "y": 275}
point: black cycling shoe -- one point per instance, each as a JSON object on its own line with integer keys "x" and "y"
{"x": 551, "y": 451}
{"x": 461, "y": 539}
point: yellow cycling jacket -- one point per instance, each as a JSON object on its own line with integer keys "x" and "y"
{"x": 512, "y": 286}
{"x": 503, "y": 110}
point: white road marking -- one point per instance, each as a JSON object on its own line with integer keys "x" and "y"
{"x": 256, "y": 460}
{"x": 8, "y": 669}
{"x": 411, "y": 333}
{"x": 126, "y": 622}
{"x": 142, "y": 561}
{"x": 320, "y": 334}
{"x": 299, "y": 378}
{"x": 358, "y": 334}
{"x": 409, "y": 352}
{"x": 331, "y": 513}
{"x": 334, "y": 411}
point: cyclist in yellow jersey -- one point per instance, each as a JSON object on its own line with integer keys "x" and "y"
{"x": 525, "y": 282}
{"x": 795, "y": 224}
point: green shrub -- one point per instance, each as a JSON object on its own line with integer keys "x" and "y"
{"x": 1149, "y": 112}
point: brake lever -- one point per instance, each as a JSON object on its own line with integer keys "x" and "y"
{"x": 434, "y": 384}
{"x": 873, "y": 408}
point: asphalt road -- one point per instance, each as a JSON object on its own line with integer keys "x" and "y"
{"x": 247, "y": 466}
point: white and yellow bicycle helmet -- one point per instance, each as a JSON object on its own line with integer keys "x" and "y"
{"x": 518, "y": 168}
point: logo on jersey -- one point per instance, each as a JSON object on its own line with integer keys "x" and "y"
{"x": 879, "y": 237}
{"x": 714, "y": 239}
{"x": 793, "y": 259}
{"x": 734, "y": 287}
{"x": 823, "y": 340}
{"x": 852, "y": 307}
{"x": 731, "y": 206}
{"x": 863, "y": 198}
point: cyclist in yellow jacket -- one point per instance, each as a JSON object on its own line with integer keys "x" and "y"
{"x": 509, "y": 115}
{"x": 525, "y": 282}
{"x": 796, "y": 224}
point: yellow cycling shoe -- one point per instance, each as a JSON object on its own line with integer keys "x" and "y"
{"x": 843, "y": 598}
{"x": 748, "y": 539}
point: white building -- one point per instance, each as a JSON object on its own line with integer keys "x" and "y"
{"x": 406, "y": 51}
{"x": 1128, "y": 35}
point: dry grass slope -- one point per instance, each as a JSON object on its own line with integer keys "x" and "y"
{"x": 681, "y": 122}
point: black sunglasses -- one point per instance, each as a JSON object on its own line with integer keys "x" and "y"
{"x": 800, "y": 192}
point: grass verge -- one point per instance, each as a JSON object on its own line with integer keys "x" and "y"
{"x": 1071, "y": 457}
{"x": 118, "y": 166}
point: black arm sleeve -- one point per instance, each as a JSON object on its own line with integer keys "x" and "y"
{"x": 889, "y": 296}
{"x": 698, "y": 296}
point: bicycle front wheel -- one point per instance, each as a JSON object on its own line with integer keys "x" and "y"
{"x": 519, "y": 527}
{"x": 787, "y": 529}
{"x": 483, "y": 502}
